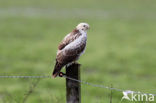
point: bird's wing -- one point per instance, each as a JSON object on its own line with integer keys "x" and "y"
{"x": 69, "y": 38}
{"x": 72, "y": 51}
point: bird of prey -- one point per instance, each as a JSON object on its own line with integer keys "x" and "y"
{"x": 71, "y": 47}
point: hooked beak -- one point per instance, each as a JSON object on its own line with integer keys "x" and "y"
{"x": 88, "y": 28}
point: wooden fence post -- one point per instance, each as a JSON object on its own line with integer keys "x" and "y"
{"x": 73, "y": 88}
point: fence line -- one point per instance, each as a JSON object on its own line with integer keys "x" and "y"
{"x": 107, "y": 87}
{"x": 25, "y": 76}
{"x": 83, "y": 82}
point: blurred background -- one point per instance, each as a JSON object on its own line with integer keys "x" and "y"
{"x": 121, "y": 47}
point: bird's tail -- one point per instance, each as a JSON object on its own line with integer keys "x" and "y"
{"x": 57, "y": 69}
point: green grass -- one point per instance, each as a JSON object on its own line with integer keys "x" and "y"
{"x": 120, "y": 47}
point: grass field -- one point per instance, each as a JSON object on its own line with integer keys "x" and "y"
{"x": 121, "y": 47}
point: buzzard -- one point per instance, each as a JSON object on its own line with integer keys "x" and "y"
{"x": 71, "y": 47}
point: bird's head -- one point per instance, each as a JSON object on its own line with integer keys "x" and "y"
{"x": 83, "y": 26}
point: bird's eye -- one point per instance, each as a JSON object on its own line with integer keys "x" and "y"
{"x": 84, "y": 25}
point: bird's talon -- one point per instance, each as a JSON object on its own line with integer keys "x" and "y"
{"x": 61, "y": 74}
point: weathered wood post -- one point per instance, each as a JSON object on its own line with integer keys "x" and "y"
{"x": 73, "y": 88}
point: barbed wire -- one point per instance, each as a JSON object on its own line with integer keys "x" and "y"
{"x": 82, "y": 82}
{"x": 91, "y": 84}
{"x": 107, "y": 87}
{"x": 25, "y": 76}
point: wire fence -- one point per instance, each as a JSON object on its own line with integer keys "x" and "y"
{"x": 25, "y": 76}
{"x": 83, "y": 82}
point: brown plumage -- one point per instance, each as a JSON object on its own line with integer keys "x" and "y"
{"x": 70, "y": 48}
{"x": 69, "y": 38}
